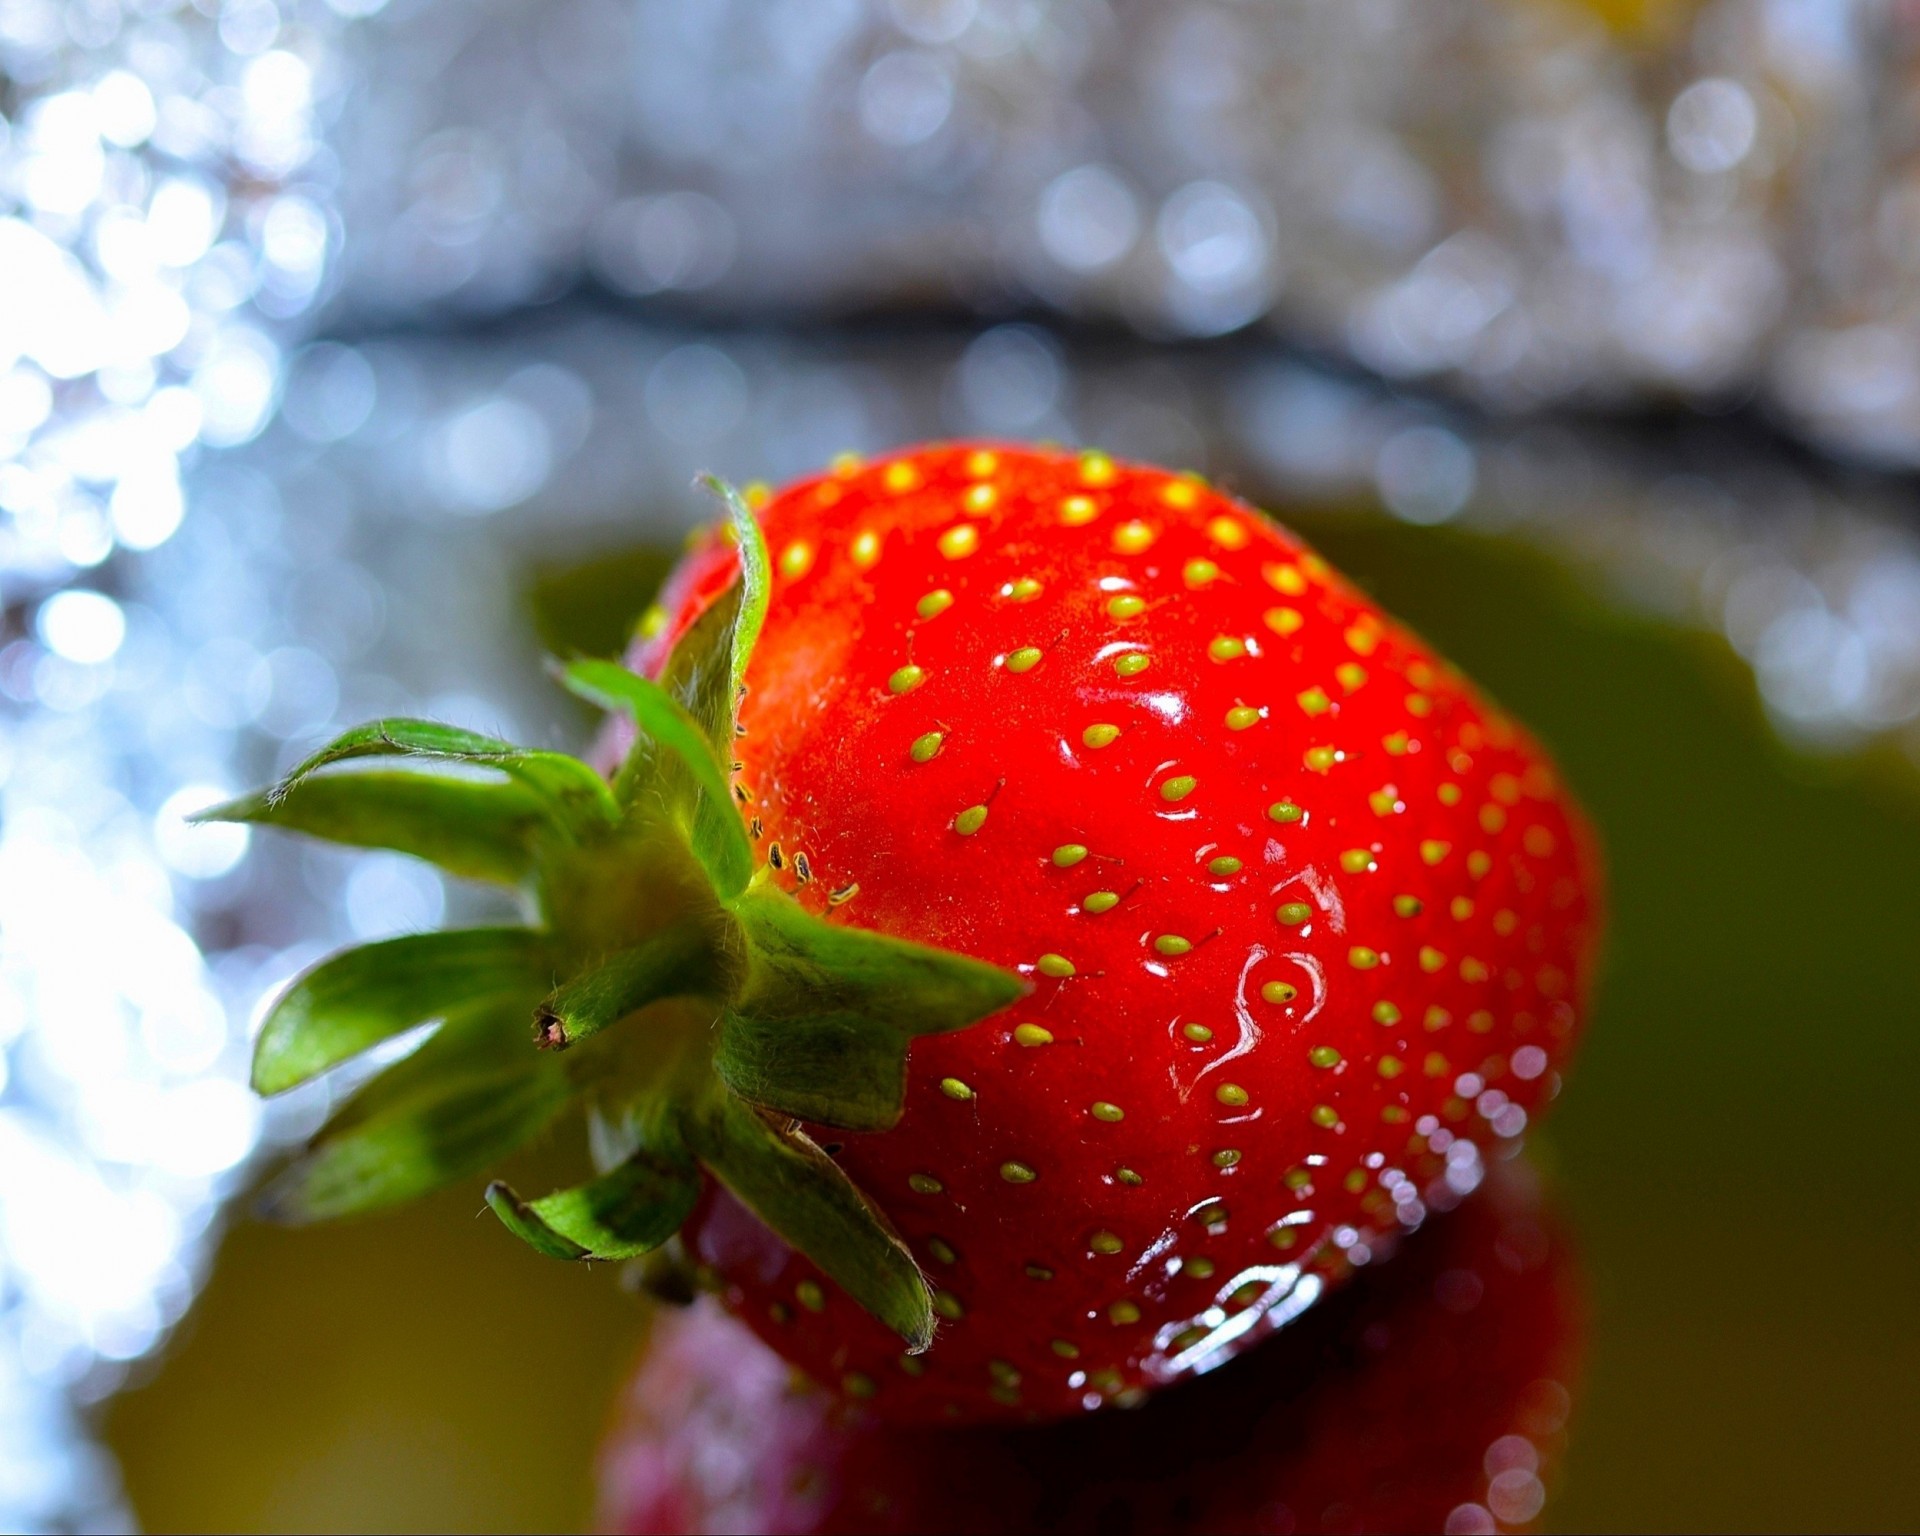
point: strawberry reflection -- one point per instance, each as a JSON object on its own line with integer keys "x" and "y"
{"x": 1431, "y": 1394}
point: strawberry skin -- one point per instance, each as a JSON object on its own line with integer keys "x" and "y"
{"x": 1309, "y": 925}
{"x": 1430, "y": 1395}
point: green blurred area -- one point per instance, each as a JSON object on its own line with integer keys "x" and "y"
{"x": 1731, "y": 1148}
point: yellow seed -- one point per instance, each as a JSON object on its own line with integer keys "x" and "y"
{"x": 1172, "y": 944}
{"x": 1096, "y": 468}
{"x": 959, "y": 541}
{"x": 1058, "y": 966}
{"x": 926, "y": 748}
{"x": 1097, "y": 736}
{"x": 845, "y": 464}
{"x": 1197, "y": 573}
{"x": 1391, "y": 1066}
{"x": 1460, "y": 908}
{"x": 953, "y": 1088}
{"x": 1396, "y": 744}
{"x": 1132, "y": 664}
{"x": 1032, "y": 1035}
{"x": 1361, "y": 958}
{"x": 1102, "y": 1110}
{"x": 981, "y": 463}
{"x": 1356, "y": 861}
{"x": 1134, "y": 537}
{"x": 906, "y": 679}
{"x": 796, "y": 559}
{"x": 1325, "y": 1116}
{"x": 1362, "y": 638}
{"x": 1432, "y": 851}
{"x": 1241, "y": 716}
{"x": 1126, "y": 606}
{"x": 1284, "y": 811}
{"x": 1024, "y": 660}
{"x": 1225, "y": 865}
{"x": 1431, "y": 959}
{"x": 1279, "y": 992}
{"x": 1283, "y": 621}
{"x": 1478, "y": 863}
{"x": 1408, "y": 906}
{"x": 1097, "y": 902}
{"x": 652, "y": 623}
{"x": 924, "y": 1184}
{"x": 1179, "y": 787}
{"x": 1179, "y": 493}
{"x": 1350, "y": 675}
{"x": 1385, "y": 1013}
{"x": 1124, "y": 1314}
{"x": 1293, "y": 913}
{"x": 1385, "y": 800}
{"x": 949, "y": 1306}
{"x": 857, "y": 1385}
{"x": 1078, "y": 511}
{"x": 810, "y": 1296}
{"x": 979, "y": 498}
{"x": 1226, "y": 647}
{"x": 1231, "y": 1094}
{"x": 1324, "y": 1056}
{"x": 1313, "y": 701}
{"x": 1023, "y": 590}
{"x": 1228, "y": 532}
{"x": 865, "y": 549}
{"x": 935, "y": 603}
{"x": 901, "y": 476}
{"x": 1017, "y": 1173}
{"x": 1285, "y": 579}
{"x": 942, "y": 1250}
{"x": 1199, "y": 1034}
{"x": 1065, "y": 1350}
{"x": 971, "y": 820}
{"x": 1068, "y": 854}
{"x": 1320, "y": 759}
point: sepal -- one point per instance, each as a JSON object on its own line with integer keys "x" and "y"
{"x": 821, "y": 1028}
{"x": 775, "y": 1170}
{"x": 715, "y": 833}
{"x": 448, "y": 1112}
{"x": 673, "y": 963}
{"x": 574, "y": 793}
{"x": 624, "y": 1213}
{"x": 479, "y": 829}
{"x": 360, "y": 997}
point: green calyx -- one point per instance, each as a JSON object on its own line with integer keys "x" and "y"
{"x": 666, "y": 984}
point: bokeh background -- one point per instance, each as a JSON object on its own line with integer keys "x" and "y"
{"x": 352, "y": 353}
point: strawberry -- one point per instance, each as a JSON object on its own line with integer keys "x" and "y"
{"x": 1430, "y": 1395}
{"x": 1268, "y": 929}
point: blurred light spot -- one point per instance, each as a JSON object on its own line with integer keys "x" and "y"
{"x": 200, "y": 851}
{"x": 1216, "y": 252}
{"x": 235, "y": 385}
{"x": 905, "y": 97}
{"x": 329, "y": 392}
{"x": 1010, "y": 378}
{"x": 1711, "y": 125}
{"x": 183, "y": 220}
{"x": 1088, "y": 218}
{"x": 696, "y": 394}
{"x": 1470, "y": 1520}
{"x": 82, "y": 626}
{"x": 124, "y": 108}
{"x": 1425, "y": 474}
{"x": 492, "y": 455}
{"x": 677, "y": 240}
{"x": 389, "y": 894}
{"x": 934, "y": 21}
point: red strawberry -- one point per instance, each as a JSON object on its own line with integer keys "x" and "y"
{"x": 1430, "y": 1395}
{"x": 1305, "y": 927}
